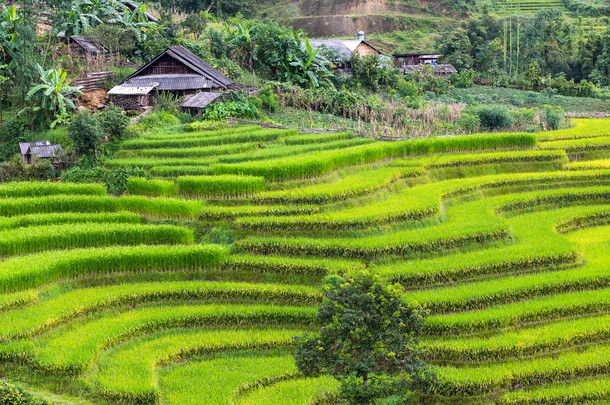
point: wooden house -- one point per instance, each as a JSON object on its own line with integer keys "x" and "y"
{"x": 342, "y": 50}
{"x": 175, "y": 70}
{"x": 38, "y": 150}
{"x": 79, "y": 45}
{"x": 412, "y": 62}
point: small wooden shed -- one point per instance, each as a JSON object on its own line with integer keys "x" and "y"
{"x": 199, "y": 102}
{"x": 38, "y": 150}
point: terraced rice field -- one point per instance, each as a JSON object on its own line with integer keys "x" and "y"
{"x": 512, "y": 7}
{"x": 505, "y": 238}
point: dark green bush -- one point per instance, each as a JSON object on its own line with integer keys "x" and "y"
{"x": 116, "y": 179}
{"x": 268, "y": 99}
{"x": 12, "y": 394}
{"x": 552, "y": 116}
{"x": 494, "y": 117}
{"x": 113, "y": 122}
{"x": 86, "y": 133}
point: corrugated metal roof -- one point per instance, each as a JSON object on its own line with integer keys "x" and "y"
{"x": 86, "y": 45}
{"x": 25, "y": 146}
{"x": 201, "y": 100}
{"x": 171, "y": 82}
{"x": 344, "y": 47}
{"x": 213, "y": 78}
{"x": 446, "y": 68}
{"x": 40, "y": 149}
{"x": 132, "y": 90}
{"x": 46, "y": 151}
{"x": 343, "y": 51}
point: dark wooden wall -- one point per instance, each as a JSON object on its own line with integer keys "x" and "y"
{"x": 166, "y": 65}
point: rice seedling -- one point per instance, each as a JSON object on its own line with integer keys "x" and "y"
{"x": 280, "y": 150}
{"x": 475, "y": 380}
{"x": 226, "y": 185}
{"x": 226, "y": 376}
{"x": 589, "y": 165}
{"x": 151, "y": 188}
{"x": 292, "y": 265}
{"x": 316, "y": 164}
{"x": 534, "y": 309}
{"x": 304, "y": 139}
{"x": 292, "y": 392}
{"x": 39, "y": 238}
{"x": 161, "y": 207}
{"x": 88, "y": 339}
{"x": 196, "y": 152}
{"x": 350, "y": 186}
{"x": 583, "y": 128}
{"x": 523, "y": 342}
{"x": 580, "y": 391}
{"x": 58, "y": 306}
{"x": 149, "y": 163}
{"x": 58, "y": 218}
{"x": 206, "y": 133}
{"x": 23, "y": 272}
{"x": 173, "y": 171}
{"x": 211, "y": 212}
{"x": 41, "y": 189}
{"x": 127, "y": 372}
{"x": 205, "y": 140}
{"x": 57, "y": 203}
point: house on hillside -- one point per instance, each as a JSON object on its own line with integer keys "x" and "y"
{"x": 412, "y": 62}
{"x": 342, "y": 50}
{"x": 38, "y": 150}
{"x": 79, "y": 45}
{"x": 175, "y": 70}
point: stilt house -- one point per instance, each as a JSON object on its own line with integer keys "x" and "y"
{"x": 175, "y": 70}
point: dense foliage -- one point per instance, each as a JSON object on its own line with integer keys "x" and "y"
{"x": 367, "y": 334}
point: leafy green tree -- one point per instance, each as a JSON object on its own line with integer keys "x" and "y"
{"x": 52, "y": 95}
{"x": 372, "y": 72}
{"x": 368, "y": 339}
{"x": 86, "y": 134}
{"x": 601, "y": 73}
{"x": 113, "y": 122}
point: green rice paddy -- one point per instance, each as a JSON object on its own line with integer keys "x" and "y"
{"x": 505, "y": 238}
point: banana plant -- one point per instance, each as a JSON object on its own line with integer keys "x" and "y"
{"x": 53, "y": 92}
{"x": 135, "y": 20}
{"x": 241, "y": 42}
{"x": 75, "y": 19}
{"x": 8, "y": 28}
{"x": 306, "y": 68}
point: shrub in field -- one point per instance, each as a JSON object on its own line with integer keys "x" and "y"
{"x": 113, "y": 122}
{"x": 494, "y": 117}
{"x": 552, "y": 116}
{"x": 86, "y": 134}
{"x": 13, "y": 394}
{"x": 151, "y": 188}
{"x": 116, "y": 179}
{"x": 366, "y": 330}
{"x": 222, "y": 185}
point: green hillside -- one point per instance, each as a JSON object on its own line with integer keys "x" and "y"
{"x": 139, "y": 300}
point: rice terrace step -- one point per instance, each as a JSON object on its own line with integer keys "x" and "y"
{"x": 505, "y": 238}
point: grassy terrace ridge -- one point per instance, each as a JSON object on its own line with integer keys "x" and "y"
{"x": 191, "y": 287}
